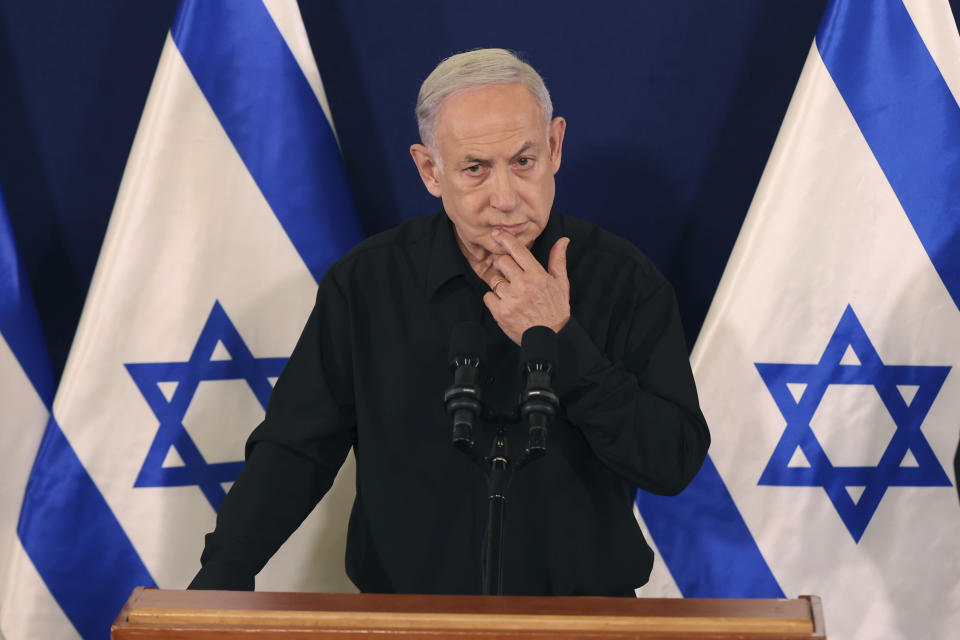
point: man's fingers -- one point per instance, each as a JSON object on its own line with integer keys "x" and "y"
{"x": 515, "y": 248}
{"x": 508, "y": 267}
{"x": 557, "y": 263}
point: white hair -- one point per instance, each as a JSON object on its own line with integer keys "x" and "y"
{"x": 476, "y": 68}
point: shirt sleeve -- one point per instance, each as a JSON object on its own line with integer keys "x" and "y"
{"x": 293, "y": 457}
{"x": 639, "y": 412}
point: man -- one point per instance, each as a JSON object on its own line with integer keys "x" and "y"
{"x": 371, "y": 366}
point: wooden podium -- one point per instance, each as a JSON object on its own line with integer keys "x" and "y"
{"x": 188, "y": 615}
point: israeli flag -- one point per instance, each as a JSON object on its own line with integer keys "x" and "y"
{"x": 233, "y": 204}
{"x": 829, "y": 363}
{"x": 26, "y": 394}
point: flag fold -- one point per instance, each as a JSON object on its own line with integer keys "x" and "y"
{"x": 233, "y": 203}
{"x": 828, "y": 363}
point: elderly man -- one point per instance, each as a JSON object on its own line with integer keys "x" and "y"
{"x": 371, "y": 366}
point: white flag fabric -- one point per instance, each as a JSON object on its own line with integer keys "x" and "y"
{"x": 828, "y": 363}
{"x": 26, "y": 393}
{"x": 233, "y": 204}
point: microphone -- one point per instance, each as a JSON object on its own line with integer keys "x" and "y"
{"x": 538, "y": 402}
{"x": 462, "y": 399}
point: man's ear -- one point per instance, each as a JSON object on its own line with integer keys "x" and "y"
{"x": 558, "y": 126}
{"x": 427, "y": 166}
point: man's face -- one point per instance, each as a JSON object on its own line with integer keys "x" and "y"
{"x": 498, "y": 162}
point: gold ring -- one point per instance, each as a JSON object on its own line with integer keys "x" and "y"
{"x": 497, "y": 284}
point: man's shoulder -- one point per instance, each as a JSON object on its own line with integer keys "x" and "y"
{"x": 410, "y": 238}
{"x": 593, "y": 245}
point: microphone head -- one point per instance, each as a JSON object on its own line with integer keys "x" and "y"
{"x": 539, "y": 345}
{"x": 467, "y": 341}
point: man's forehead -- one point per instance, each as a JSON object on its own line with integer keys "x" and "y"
{"x": 490, "y": 113}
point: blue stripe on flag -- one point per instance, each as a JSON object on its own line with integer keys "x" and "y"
{"x": 271, "y": 115}
{"x": 719, "y": 561}
{"x": 907, "y": 115}
{"x": 63, "y": 512}
{"x": 19, "y": 324}
{"x": 62, "y": 509}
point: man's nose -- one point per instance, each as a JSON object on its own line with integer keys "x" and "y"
{"x": 503, "y": 194}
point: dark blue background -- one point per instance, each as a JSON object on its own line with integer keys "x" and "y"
{"x": 672, "y": 109}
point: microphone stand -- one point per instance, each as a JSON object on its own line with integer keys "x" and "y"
{"x": 538, "y": 405}
{"x": 497, "y": 480}
{"x": 499, "y": 471}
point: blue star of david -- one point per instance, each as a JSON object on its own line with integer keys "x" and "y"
{"x": 188, "y": 375}
{"x": 908, "y": 417}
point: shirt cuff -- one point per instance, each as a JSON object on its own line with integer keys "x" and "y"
{"x": 578, "y": 355}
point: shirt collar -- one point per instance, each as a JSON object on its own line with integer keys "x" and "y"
{"x": 447, "y": 261}
{"x": 547, "y": 238}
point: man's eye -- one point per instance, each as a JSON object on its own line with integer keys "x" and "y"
{"x": 524, "y": 162}
{"x": 473, "y": 169}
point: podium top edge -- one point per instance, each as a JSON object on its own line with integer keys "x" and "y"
{"x": 458, "y": 614}
{"x": 170, "y": 599}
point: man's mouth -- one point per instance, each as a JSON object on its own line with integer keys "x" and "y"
{"x": 511, "y": 228}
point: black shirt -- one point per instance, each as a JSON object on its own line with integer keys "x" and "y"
{"x": 370, "y": 370}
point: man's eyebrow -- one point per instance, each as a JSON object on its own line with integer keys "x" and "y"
{"x": 527, "y": 146}
{"x": 474, "y": 160}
